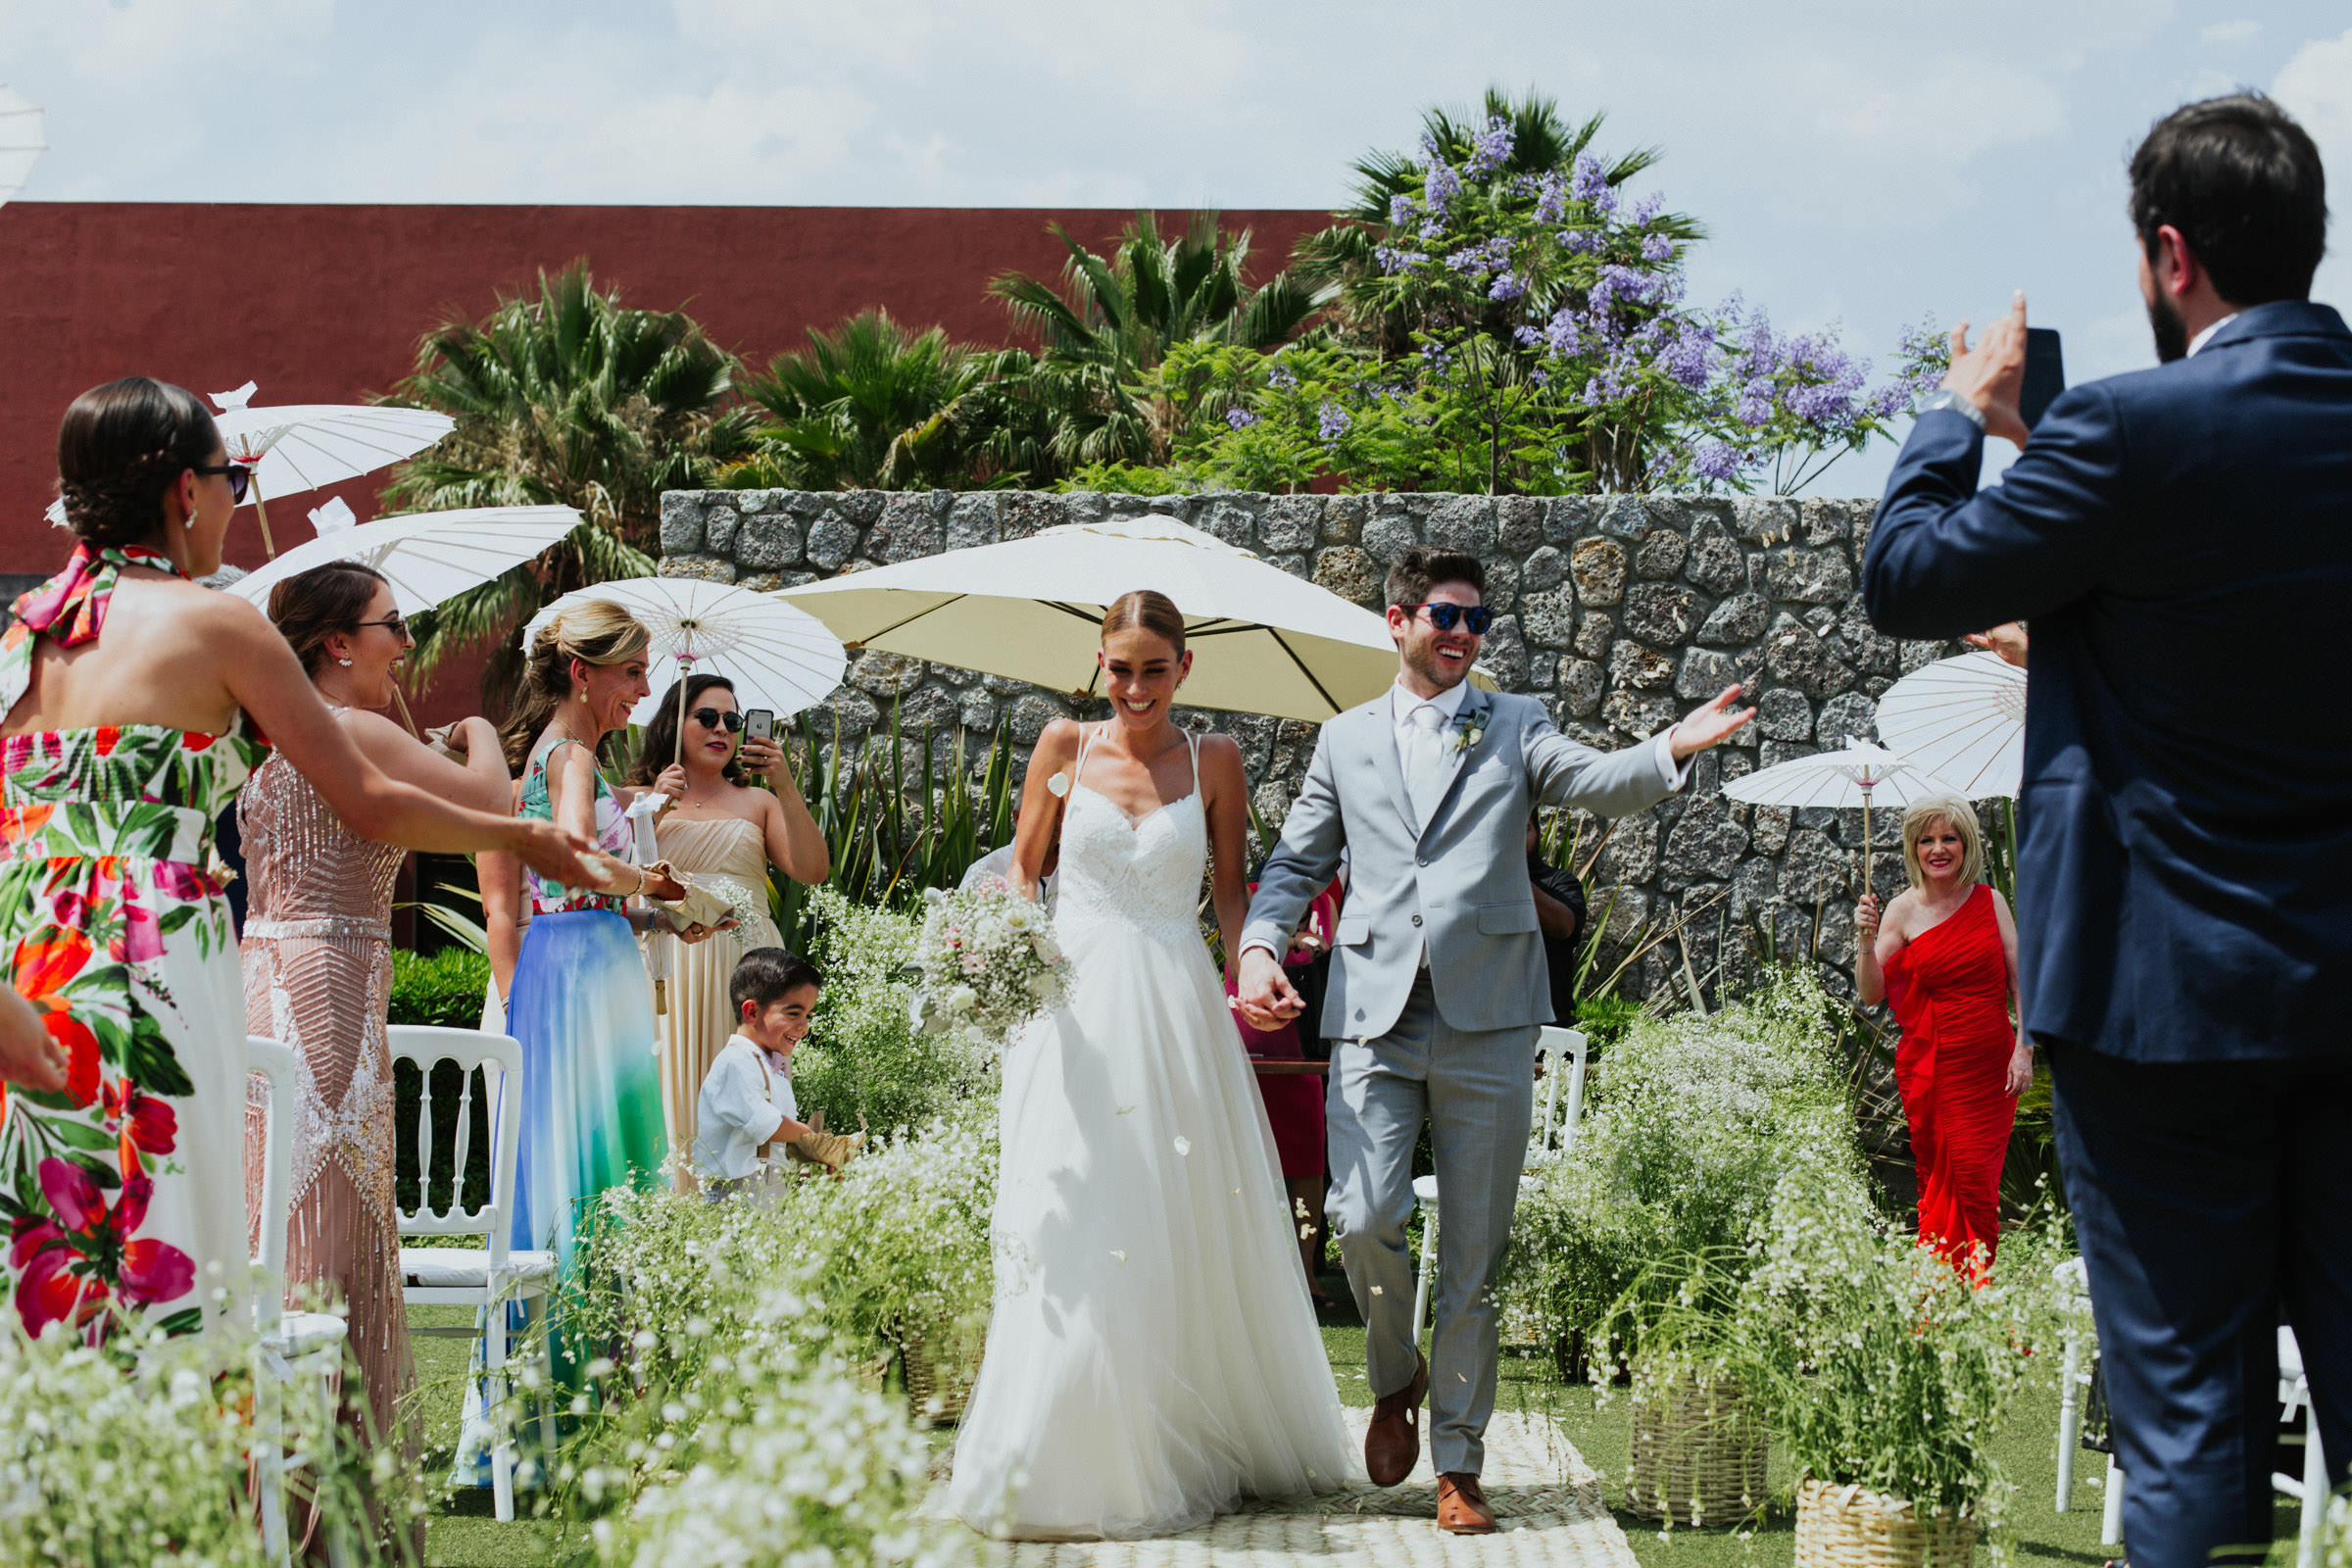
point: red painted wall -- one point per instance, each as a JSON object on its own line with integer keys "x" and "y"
{"x": 325, "y": 303}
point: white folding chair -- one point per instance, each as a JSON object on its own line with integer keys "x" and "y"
{"x": 289, "y": 1348}
{"x": 485, "y": 1278}
{"x": 2294, "y": 1398}
{"x": 1556, "y": 1044}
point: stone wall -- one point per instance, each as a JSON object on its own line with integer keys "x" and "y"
{"x": 1621, "y": 612}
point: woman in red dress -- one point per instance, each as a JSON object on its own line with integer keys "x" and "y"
{"x": 1944, "y": 956}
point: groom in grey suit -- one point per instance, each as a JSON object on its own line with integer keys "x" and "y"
{"x": 1438, "y": 985}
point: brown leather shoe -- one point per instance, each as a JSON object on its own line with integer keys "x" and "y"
{"x": 1462, "y": 1508}
{"x": 1392, "y": 1441}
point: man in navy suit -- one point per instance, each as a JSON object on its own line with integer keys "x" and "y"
{"x": 2181, "y": 541}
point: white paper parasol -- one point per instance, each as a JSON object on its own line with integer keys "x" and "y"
{"x": 1963, "y": 719}
{"x": 1263, "y": 640}
{"x": 1841, "y": 779}
{"x": 305, "y": 446}
{"x": 21, "y": 144}
{"x": 428, "y": 556}
{"x": 776, "y": 655}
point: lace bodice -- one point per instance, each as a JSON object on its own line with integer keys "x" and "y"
{"x": 1146, "y": 875}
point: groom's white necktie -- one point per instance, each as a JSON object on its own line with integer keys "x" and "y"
{"x": 1425, "y": 757}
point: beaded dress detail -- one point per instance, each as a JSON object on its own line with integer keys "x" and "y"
{"x": 317, "y": 955}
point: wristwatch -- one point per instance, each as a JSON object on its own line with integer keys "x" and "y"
{"x": 1949, "y": 399}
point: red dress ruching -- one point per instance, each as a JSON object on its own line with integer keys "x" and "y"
{"x": 1950, "y": 987}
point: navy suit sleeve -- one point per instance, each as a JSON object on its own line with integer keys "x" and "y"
{"x": 1945, "y": 559}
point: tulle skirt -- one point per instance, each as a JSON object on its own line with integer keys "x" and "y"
{"x": 1153, "y": 1359}
{"x": 583, "y": 1011}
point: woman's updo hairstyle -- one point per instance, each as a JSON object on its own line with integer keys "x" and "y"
{"x": 596, "y": 632}
{"x": 311, "y": 606}
{"x": 119, "y": 447}
{"x": 1151, "y": 610}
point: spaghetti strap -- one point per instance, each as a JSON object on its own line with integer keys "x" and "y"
{"x": 1086, "y": 744}
{"x": 1193, "y": 740}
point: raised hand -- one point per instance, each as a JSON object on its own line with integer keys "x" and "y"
{"x": 760, "y": 757}
{"x": 1865, "y": 917}
{"x": 1992, "y": 375}
{"x": 673, "y": 782}
{"x": 1703, "y": 727}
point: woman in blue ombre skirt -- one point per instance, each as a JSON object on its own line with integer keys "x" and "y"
{"x": 580, "y": 1003}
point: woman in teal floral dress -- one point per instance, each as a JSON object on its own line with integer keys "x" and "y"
{"x": 126, "y": 692}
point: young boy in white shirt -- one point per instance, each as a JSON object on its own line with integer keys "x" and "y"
{"x": 747, "y": 1100}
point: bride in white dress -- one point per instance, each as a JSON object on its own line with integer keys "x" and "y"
{"x": 1153, "y": 1359}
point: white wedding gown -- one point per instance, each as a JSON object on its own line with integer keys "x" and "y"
{"x": 1153, "y": 1359}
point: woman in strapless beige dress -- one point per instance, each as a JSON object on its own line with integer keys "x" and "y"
{"x": 738, "y": 813}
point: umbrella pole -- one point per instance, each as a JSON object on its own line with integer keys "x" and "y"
{"x": 262, "y": 509}
{"x": 401, "y": 703}
{"x": 685, "y": 668}
{"x": 1867, "y": 884}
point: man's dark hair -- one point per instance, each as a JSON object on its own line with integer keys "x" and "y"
{"x": 764, "y": 975}
{"x": 1423, "y": 566}
{"x": 2243, "y": 185}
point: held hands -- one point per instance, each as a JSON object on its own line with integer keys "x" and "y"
{"x": 1267, "y": 999}
{"x": 1708, "y": 726}
{"x": 1992, "y": 375}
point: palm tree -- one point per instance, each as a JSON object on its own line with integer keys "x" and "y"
{"x": 871, "y": 405}
{"x": 572, "y": 398}
{"x": 1341, "y": 262}
{"x": 1111, "y": 320}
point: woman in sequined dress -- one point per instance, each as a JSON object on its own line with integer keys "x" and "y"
{"x": 725, "y": 832}
{"x": 127, "y": 689}
{"x": 317, "y": 958}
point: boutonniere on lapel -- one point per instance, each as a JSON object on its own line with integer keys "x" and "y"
{"x": 1469, "y": 730}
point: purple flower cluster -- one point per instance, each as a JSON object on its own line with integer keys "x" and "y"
{"x": 1645, "y": 211}
{"x": 1506, "y": 286}
{"x": 1656, "y": 248}
{"x": 1563, "y": 334}
{"x": 1331, "y": 422}
{"x": 1551, "y": 199}
{"x": 1239, "y": 418}
{"x": 1401, "y": 209}
{"x": 1281, "y": 380}
{"x": 1589, "y": 184}
{"x": 1491, "y": 150}
{"x": 1480, "y": 261}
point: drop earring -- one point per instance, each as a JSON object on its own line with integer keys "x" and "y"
{"x": 345, "y": 662}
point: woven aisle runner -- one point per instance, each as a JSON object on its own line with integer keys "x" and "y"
{"x": 1545, "y": 1498}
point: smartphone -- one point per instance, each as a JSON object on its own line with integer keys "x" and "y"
{"x": 760, "y": 725}
{"x": 2045, "y": 374}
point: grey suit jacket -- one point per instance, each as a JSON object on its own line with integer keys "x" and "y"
{"x": 1458, "y": 881}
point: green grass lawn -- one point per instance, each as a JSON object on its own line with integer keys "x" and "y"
{"x": 463, "y": 1535}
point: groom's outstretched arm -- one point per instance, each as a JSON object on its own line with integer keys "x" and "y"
{"x": 1304, "y": 861}
{"x": 1565, "y": 772}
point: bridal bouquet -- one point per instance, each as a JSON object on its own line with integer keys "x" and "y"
{"x": 988, "y": 963}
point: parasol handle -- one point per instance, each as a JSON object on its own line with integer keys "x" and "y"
{"x": 401, "y": 703}
{"x": 685, "y": 668}
{"x": 1867, "y": 884}
{"x": 260, "y": 509}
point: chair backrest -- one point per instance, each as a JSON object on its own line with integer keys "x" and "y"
{"x": 499, "y": 1059}
{"x": 1563, "y": 1103}
{"x": 276, "y": 1062}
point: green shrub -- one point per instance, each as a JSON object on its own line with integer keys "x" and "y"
{"x": 1692, "y": 1121}
{"x": 864, "y": 1057}
{"x": 445, "y": 988}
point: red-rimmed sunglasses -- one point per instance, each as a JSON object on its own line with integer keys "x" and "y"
{"x": 240, "y": 477}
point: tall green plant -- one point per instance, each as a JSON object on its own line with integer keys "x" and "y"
{"x": 566, "y": 397}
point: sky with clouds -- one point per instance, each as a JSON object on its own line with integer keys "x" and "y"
{"x": 1864, "y": 163}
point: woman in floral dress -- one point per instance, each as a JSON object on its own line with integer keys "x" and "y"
{"x": 126, "y": 691}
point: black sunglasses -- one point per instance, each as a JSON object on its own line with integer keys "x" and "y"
{"x": 240, "y": 477}
{"x": 396, "y": 625}
{"x": 713, "y": 719}
{"x": 1477, "y": 618}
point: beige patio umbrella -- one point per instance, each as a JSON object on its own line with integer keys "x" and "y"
{"x": 1263, "y": 640}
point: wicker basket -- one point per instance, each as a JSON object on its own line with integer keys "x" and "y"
{"x": 1698, "y": 1453}
{"x": 931, "y": 1375}
{"x": 1847, "y": 1527}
